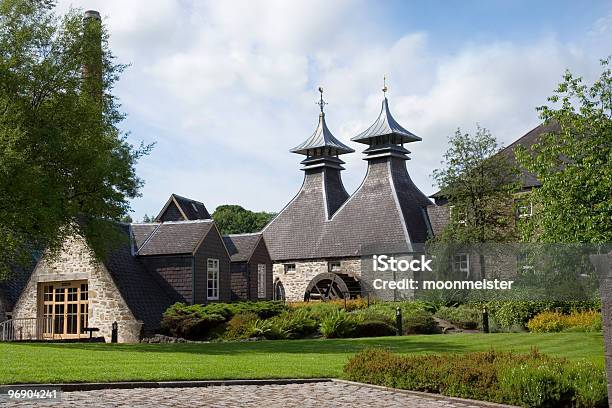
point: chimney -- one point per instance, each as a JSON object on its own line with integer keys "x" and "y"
{"x": 92, "y": 53}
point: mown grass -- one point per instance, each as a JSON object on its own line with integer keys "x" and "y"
{"x": 55, "y": 363}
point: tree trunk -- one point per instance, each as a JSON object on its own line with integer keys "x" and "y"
{"x": 603, "y": 265}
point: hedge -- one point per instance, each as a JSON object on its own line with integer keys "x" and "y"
{"x": 528, "y": 380}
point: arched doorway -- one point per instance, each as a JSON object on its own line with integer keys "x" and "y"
{"x": 279, "y": 290}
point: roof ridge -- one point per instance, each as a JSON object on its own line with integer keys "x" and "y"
{"x": 242, "y": 234}
{"x": 205, "y": 220}
{"x": 187, "y": 198}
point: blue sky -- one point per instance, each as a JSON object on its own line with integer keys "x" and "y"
{"x": 225, "y": 89}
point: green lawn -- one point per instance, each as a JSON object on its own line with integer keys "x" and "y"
{"x": 42, "y": 363}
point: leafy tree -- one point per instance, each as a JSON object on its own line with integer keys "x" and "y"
{"x": 65, "y": 168}
{"x": 479, "y": 186}
{"x": 574, "y": 164}
{"x": 233, "y": 219}
{"x": 478, "y": 183}
{"x": 148, "y": 218}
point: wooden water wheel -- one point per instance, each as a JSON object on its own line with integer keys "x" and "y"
{"x": 331, "y": 286}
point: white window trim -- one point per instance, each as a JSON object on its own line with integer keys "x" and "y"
{"x": 467, "y": 259}
{"x": 287, "y": 268}
{"x": 330, "y": 266}
{"x": 215, "y": 287}
{"x": 261, "y": 280}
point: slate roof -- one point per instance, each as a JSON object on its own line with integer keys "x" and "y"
{"x": 12, "y": 286}
{"x": 175, "y": 237}
{"x": 322, "y": 138}
{"x": 439, "y": 217}
{"x": 527, "y": 141}
{"x": 385, "y": 125}
{"x": 241, "y": 246}
{"x": 190, "y": 209}
{"x": 143, "y": 294}
{"x": 140, "y": 233}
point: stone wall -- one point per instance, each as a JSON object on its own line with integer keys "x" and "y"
{"x": 295, "y": 283}
{"x": 106, "y": 305}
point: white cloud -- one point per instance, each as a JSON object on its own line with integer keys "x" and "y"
{"x": 226, "y": 88}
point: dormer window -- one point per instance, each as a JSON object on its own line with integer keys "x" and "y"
{"x": 194, "y": 207}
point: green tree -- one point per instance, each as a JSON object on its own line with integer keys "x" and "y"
{"x": 479, "y": 184}
{"x": 233, "y": 219}
{"x": 574, "y": 164}
{"x": 65, "y": 168}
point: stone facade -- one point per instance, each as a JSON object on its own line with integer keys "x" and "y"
{"x": 295, "y": 283}
{"x": 106, "y": 305}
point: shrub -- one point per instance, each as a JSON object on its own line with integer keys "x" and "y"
{"x": 465, "y": 317}
{"x": 550, "y": 322}
{"x": 337, "y": 324}
{"x": 239, "y": 326}
{"x": 296, "y": 323}
{"x": 419, "y": 323}
{"x": 373, "y": 328}
{"x": 267, "y": 329}
{"x": 511, "y": 313}
{"x": 530, "y": 380}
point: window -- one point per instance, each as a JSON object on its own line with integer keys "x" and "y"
{"x": 289, "y": 268}
{"x": 64, "y": 309}
{"x": 334, "y": 267}
{"x": 194, "y": 207}
{"x": 461, "y": 264}
{"x": 261, "y": 281}
{"x": 524, "y": 208}
{"x": 212, "y": 279}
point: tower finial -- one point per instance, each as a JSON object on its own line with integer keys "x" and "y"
{"x": 385, "y": 89}
{"x": 321, "y": 103}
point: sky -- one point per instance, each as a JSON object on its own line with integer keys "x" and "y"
{"x": 226, "y": 88}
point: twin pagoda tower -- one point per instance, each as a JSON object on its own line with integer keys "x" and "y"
{"x": 324, "y": 222}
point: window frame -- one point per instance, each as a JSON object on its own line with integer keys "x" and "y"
{"x": 459, "y": 268}
{"x": 524, "y": 204}
{"x": 290, "y": 268}
{"x": 212, "y": 283}
{"x": 261, "y": 280}
{"x": 331, "y": 264}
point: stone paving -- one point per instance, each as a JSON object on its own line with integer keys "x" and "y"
{"x": 321, "y": 394}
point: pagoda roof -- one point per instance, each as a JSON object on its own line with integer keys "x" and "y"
{"x": 386, "y": 125}
{"x": 322, "y": 138}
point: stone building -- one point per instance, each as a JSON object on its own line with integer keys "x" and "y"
{"x": 318, "y": 240}
{"x": 181, "y": 258}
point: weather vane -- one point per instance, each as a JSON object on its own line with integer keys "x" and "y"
{"x": 385, "y": 89}
{"x": 321, "y": 103}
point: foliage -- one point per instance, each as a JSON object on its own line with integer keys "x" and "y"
{"x": 512, "y": 313}
{"x": 198, "y": 321}
{"x": 463, "y": 316}
{"x": 574, "y": 203}
{"x": 65, "y": 167}
{"x": 478, "y": 184}
{"x": 419, "y": 323}
{"x": 233, "y": 219}
{"x": 373, "y": 328}
{"x": 530, "y": 380}
{"x": 240, "y": 326}
{"x": 550, "y": 322}
{"x": 338, "y": 324}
